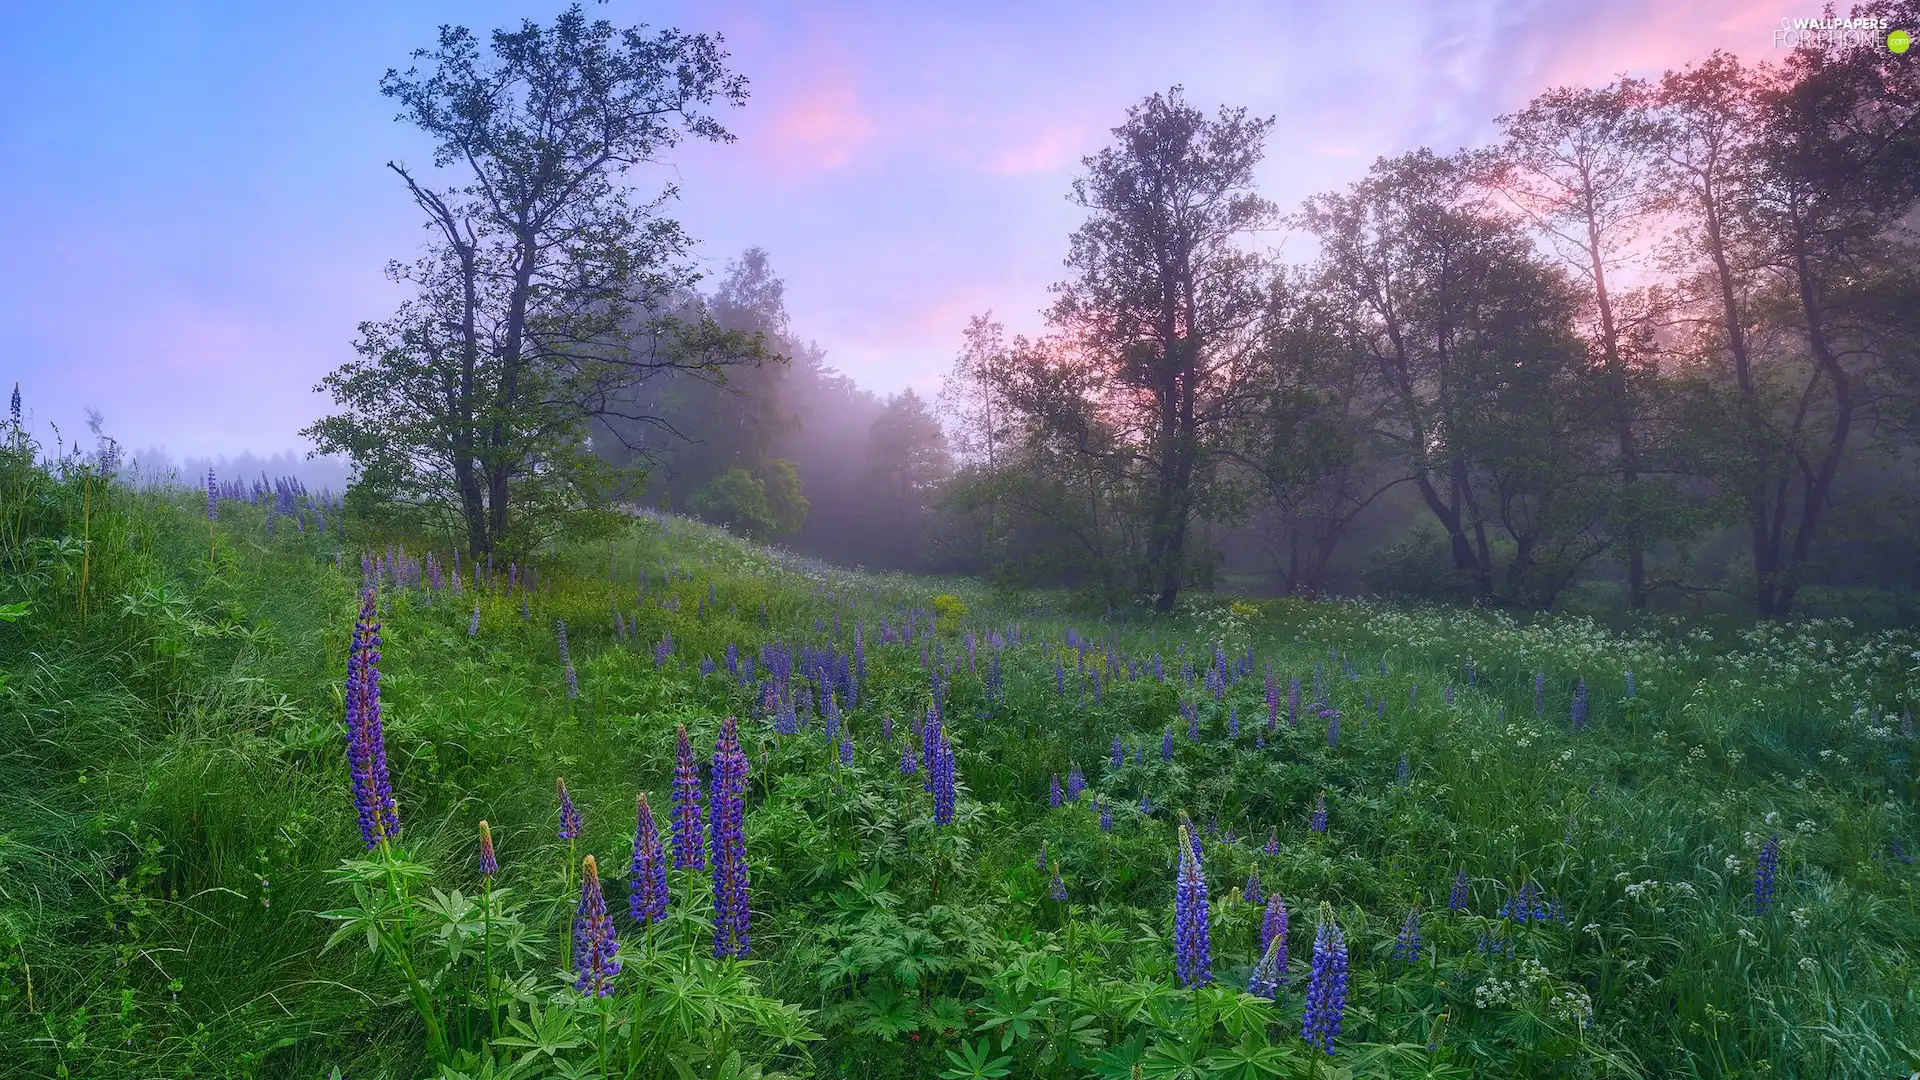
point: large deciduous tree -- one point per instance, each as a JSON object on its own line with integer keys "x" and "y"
{"x": 1165, "y": 298}
{"x": 548, "y": 288}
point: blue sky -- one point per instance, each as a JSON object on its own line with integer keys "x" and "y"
{"x": 197, "y": 214}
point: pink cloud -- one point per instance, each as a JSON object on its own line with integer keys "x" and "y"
{"x": 821, "y": 128}
{"x": 1047, "y": 150}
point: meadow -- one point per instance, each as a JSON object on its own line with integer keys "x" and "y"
{"x": 960, "y": 833}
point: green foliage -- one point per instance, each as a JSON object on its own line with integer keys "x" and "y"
{"x": 183, "y": 891}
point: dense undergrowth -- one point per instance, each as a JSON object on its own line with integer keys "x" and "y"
{"x": 175, "y": 812}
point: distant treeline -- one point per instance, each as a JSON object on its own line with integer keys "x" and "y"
{"x": 1658, "y": 346}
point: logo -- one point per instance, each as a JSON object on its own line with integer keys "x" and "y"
{"x": 1829, "y": 32}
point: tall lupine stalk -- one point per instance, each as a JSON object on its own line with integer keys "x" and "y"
{"x": 1076, "y": 782}
{"x": 1318, "y": 823}
{"x": 1265, "y": 981}
{"x": 595, "y": 944}
{"x": 943, "y": 778}
{"x": 1406, "y": 947}
{"x": 1457, "y": 896}
{"x": 366, "y": 742}
{"x": 1327, "y": 988}
{"x": 489, "y": 866}
{"x": 1763, "y": 871}
{"x": 647, "y": 875}
{"x": 1579, "y": 708}
{"x": 689, "y": 823}
{"x": 566, "y": 660}
{"x": 732, "y": 917}
{"x": 1273, "y": 928}
{"x": 1192, "y": 949}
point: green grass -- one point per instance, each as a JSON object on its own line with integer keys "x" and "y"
{"x": 175, "y": 812}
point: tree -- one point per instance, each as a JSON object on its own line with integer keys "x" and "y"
{"x": 1577, "y": 162}
{"x": 1165, "y": 299}
{"x": 907, "y": 459}
{"x": 1465, "y": 330}
{"x": 547, "y": 290}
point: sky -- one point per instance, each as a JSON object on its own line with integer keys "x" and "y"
{"x": 197, "y": 214}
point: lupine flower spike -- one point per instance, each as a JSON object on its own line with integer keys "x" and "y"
{"x": 1193, "y": 952}
{"x": 1763, "y": 872}
{"x": 1457, "y": 896}
{"x": 1327, "y": 989}
{"x": 489, "y": 865}
{"x": 1265, "y": 981}
{"x": 366, "y": 741}
{"x": 1273, "y": 928}
{"x": 1407, "y": 946}
{"x": 647, "y": 876}
{"x": 569, "y": 817}
{"x": 732, "y": 919}
{"x": 689, "y": 824}
{"x": 595, "y": 943}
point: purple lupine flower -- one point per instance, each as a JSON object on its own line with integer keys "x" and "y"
{"x": 473, "y": 624}
{"x": 1540, "y": 693}
{"x": 1040, "y": 860}
{"x": 1193, "y": 720}
{"x": 366, "y": 738}
{"x": 1166, "y": 746}
{"x": 846, "y": 748}
{"x": 213, "y": 497}
{"x": 1233, "y": 720}
{"x": 1146, "y": 804}
{"x": 489, "y": 865}
{"x": 706, "y": 666}
{"x": 1525, "y": 905}
{"x": 886, "y": 729}
{"x": 943, "y": 780}
{"x": 1106, "y": 816}
{"x": 1251, "y": 893}
{"x": 1413, "y": 694}
{"x": 1293, "y": 702}
{"x": 1273, "y": 840}
{"x": 1332, "y": 716}
{"x": 909, "y": 761}
{"x": 1629, "y": 683}
{"x": 689, "y": 824}
{"x": 1076, "y": 782}
{"x": 1457, "y": 896}
{"x": 1447, "y": 694}
{"x": 1763, "y": 871}
{"x": 1319, "y": 822}
{"x": 1404, "y": 773}
{"x": 1057, "y": 889}
{"x": 1327, "y": 988}
{"x": 732, "y": 919}
{"x": 1273, "y": 928}
{"x": 662, "y": 650}
{"x": 16, "y": 403}
{"x": 1193, "y": 952}
{"x": 569, "y": 817}
{"x": 1579, "y": 704}
{"x": 647, "y": 876}
{"x": 1119, "y": 754}
{"x": 1407, "y": 946}
{"x": 595, "y": 943}
{"x": 1265, "y": 980}
{"x": 1053, "y": 792}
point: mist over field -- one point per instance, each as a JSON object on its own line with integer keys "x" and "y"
{"x": 727, "y": 542}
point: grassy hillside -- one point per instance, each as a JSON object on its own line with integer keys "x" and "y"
{"x": 176, "y": 819}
